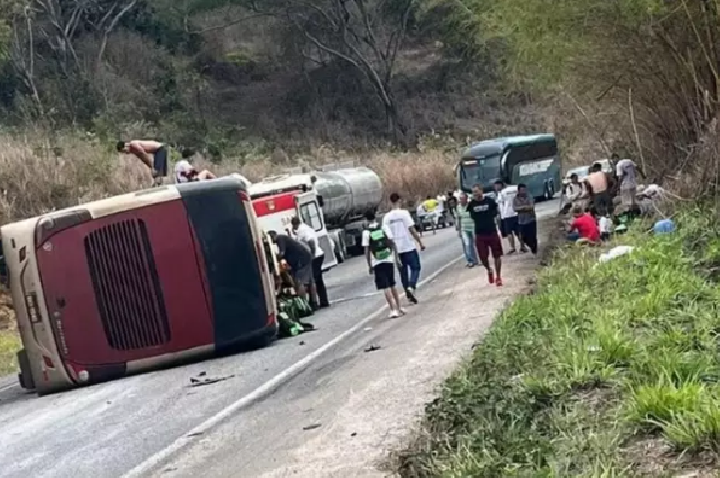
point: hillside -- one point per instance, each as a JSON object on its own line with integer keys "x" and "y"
{"x": 220, "y": 73}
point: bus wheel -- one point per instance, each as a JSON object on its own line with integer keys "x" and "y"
{"x": 25, "y": 376}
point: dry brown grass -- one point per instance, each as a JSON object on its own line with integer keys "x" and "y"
{"x": 37, "y": 178}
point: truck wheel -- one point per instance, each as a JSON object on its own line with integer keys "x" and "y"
{"x": 25, "y": 376}
{"x": 339, "y": 253}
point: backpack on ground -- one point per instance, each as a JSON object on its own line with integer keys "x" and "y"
{"x": 379, "y": 243}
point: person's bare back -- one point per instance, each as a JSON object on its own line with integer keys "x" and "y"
{"x": 152, "y": 153}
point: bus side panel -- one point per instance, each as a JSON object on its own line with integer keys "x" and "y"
{"x": 232, "y": 263}
{"x": 124, "y": 287}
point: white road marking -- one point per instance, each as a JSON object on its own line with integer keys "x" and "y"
{"x": 163, "y": 455}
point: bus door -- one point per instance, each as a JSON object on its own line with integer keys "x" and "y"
{"x": 311, "y": 214}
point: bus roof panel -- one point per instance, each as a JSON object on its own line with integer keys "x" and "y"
{"x": 498, "y": 145}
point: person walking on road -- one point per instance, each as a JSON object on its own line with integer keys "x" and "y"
{"x": 483, "y": 211}
{"x": 466, "y": 230}
{"x": 378, "y": 244}
{"x": 402, "y": 230}
{"x": 524, "y": 205}
{"x": 318, "y": 291}
{"x": 508, "y": 216}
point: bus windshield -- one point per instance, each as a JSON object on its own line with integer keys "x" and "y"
{"x": 483, "y": 171}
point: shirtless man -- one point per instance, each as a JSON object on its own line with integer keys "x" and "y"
{"x": 152, "y": 153}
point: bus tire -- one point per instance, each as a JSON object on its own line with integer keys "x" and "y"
{"x": 25, "y": 376}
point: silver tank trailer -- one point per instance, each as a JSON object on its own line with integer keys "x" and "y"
{"x": 348, "y": 193}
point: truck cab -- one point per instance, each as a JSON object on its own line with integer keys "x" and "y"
{"x": 275, "y": 208}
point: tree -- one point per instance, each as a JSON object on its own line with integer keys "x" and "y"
{"x": 51, "y": 30}
{"x": 652, "y": 65}
{"x": 364, "y": 34}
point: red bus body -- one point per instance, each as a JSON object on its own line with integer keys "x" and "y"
{"x": 136, "y": 282}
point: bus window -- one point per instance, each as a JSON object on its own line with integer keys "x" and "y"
{"x": 483, "y": 171}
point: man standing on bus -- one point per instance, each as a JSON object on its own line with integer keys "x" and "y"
{"x": 483, "y": 211}
{"x": 152, "y": 153}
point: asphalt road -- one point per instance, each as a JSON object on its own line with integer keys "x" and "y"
{"x": 132, "y": 425}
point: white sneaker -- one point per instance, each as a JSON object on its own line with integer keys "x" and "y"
{"x": 401, "y": 312}
{"x": 394, "y": 314}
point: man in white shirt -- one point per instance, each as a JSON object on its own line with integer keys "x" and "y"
{"x": 402, "y": 231}
{"x": 509, "y": 228}
{"x": 626, "y": 173}
{"x": 378, "y": 244}
{"x": 318, "y": 291}
{"x": 186, "y": 173}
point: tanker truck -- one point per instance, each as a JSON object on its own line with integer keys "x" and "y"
{"x": 341, "y": 196}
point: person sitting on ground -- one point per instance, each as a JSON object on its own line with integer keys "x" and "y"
{"x": 380, "y": 254}
{"x": 585, "y": 226}
{"x": 605, "y": 226}
{"x": 152, "y": 153}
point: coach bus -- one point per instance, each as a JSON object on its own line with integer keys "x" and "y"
{"x": 138, "y": 281}
{"x": 531, "y": 160}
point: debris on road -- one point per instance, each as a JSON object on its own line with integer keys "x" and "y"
{"x": 313, "y": 426}
{"x": 372, "y": 348}
{"x": 194, "y": 382}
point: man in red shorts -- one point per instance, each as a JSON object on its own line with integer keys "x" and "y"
{"x": 483, "y": 211}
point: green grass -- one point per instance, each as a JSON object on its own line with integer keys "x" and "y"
{"x": 9, "y": 345}
{"x": 606, "y": 370}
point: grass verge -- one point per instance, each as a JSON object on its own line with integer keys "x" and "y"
{"x": 9, "y": 345}
{"x": 607, "y": 370}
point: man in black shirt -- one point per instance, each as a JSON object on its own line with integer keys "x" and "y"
{"x": 483, "y": 211}
{"x": 298, "y": 257}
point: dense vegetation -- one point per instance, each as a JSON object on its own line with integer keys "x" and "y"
{"x": 607, "y": 370}
{"x": 272, "y": 73}
{"x": 639, "y": 75}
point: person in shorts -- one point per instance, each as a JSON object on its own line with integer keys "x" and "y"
{"x": 508, "y": 217}
{"x": 380, "y": 253}
{"x": 483, "y": 211}
{"x": 298, "y": 257}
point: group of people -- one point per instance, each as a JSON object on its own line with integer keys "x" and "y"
{"x": 154, "y": 155}
{"x": 304, "y": 256}
{"x": 392, "y": 243}
{"x": 477, "y": 221}
{"x": 592, "y": 201}
{"x": 598, "y": 189}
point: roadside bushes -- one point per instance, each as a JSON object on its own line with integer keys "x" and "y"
{"x": 606, "y": 370}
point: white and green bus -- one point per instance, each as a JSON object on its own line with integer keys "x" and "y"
{"x": 531, "y": 160}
